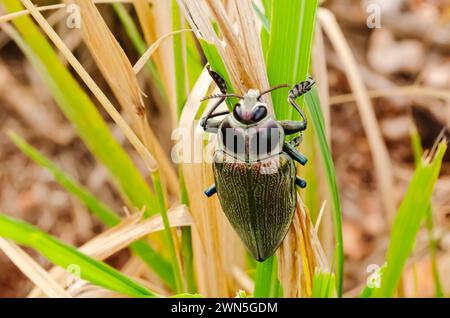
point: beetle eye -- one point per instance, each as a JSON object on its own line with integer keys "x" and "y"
{"x": 259, "y": 113}
{"x": 237, "y": 111}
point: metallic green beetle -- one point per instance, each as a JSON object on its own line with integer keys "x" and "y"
{"x": 254, "y": 171}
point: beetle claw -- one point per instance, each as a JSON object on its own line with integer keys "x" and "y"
{"x": 211, "y": 191}
{"x": 295, "y": 154}
{"x": 300, "y": 182}
{"x": 203, "y": 122}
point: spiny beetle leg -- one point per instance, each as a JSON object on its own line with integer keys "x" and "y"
{"x": 301, "y": 88}
{"x": 222, "y": 85}
{"x": 291, "y": 127}
{"x": 219, "y": 80}
{"x": 294, "y": 153}
{"x": 211, "y": 191}
{"x": 300, "y": 182}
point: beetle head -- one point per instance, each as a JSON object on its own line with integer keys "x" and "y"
{"x": 250, "y": 110}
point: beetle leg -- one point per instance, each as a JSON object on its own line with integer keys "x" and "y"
{"x": 209, "y": 115}
{"x": 300, "y": 182}
{"x": 220, "y": 82}
{"x": 295, "y": 142}
{"x": 294, "y": 153}
{"x": 222, "y": 85}
{"x": 211, "y": 126}
{"x": 211, "y": 191}
{"x": 292, "y": 127}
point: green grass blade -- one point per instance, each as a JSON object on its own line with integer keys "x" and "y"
{"x": 289, "y": 51}
{"x": 261, "y": 15}
{"x": 266, "y": 279}
{"x": 417, "y": 148}
{"x": 407, "y": 222}
{"x": 176, "y": 269}
{"x": 98, "y": 208}
{"x": 160, "y": 266}
{"x": 319, "y": 128}
{"x": 193, "y": 60}
{"x": 59, "y": 253}
{"x": 324, "y": 285}
{"x": 181, "y": 86}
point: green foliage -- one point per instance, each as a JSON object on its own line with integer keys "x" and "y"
{"x": 319, "y": 129}
{"x": 266, "y": 279}
{"x": 59, "y": 253}
{"x": 407, "y": 222}
{"x": 289, "y": 51}
{"x": 324, "y": 285}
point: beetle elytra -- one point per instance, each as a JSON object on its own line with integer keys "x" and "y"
{"x": 254, "y": 170}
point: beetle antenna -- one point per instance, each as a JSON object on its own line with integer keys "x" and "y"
{"x": 272, "y": 89}
{"x": 221, "y": 96}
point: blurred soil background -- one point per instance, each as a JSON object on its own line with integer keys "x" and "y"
{"x": 412, "y": 48}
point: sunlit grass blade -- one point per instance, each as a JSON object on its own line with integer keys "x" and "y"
{"x": 324, "y": 285}
{"x": 313, "y": 103}
{"x": 409, "y": 217}
{"x": 59, "y": 253}
{"x": 417, "y": 148}
{"x": 99, "y": 209}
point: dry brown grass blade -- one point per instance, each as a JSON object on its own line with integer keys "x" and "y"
{"x": 146, "y": 20}
{"x": 32, "y": 270}
{"x": 299, "y": 255}
{"x": 126, "y": 233}
{"x": 118, "y": 72}
{"x": 152, "y": 49}
{"x": 217, "y": 250}
{"x": 50, "y": 7}
{"x": 382, "y": 162}
{"x": 87, "y": 79}
{"x": 410, "y": 91}
{"x": 243, "y": 280}
{"x": 242, "y": 54}
{"x": 92, "y": 291}
{"x": 162, "y": 25}
{"x": 121, "y": 236}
